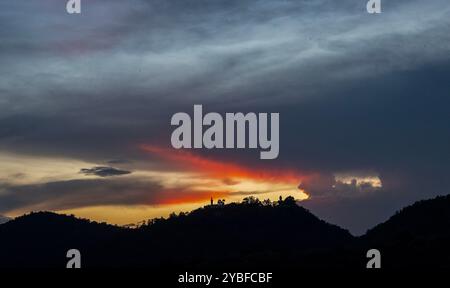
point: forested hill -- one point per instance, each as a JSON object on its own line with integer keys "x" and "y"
{"x": 247, "y": 235}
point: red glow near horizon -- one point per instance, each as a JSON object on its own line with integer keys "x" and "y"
{"x": 221, "y": 170}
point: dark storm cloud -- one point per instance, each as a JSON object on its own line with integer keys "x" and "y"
{"x": 360, "y": 210}
{"x": 236, "y": 54}
{"x": 355, "y": 91}
{"x": 361, "y": 213}
{"x": 103, "y": 171}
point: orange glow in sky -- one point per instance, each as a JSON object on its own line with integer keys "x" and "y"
{"x": 232, "y": 181}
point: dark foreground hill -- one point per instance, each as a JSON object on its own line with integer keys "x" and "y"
{"x": 248, "y": 236}
{"x": 234, "y": 235}
{"x": 416, "y": 236}
{"x": 243, "y": 235}
{"x": 42, "y": 239}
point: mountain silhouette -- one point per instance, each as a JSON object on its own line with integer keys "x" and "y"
{"x": 38, "y": 239}
{"x": 417, "y": 236}
{"x": 248, "y": 235}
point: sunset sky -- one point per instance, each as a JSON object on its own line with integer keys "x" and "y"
{"x": 86, "y": 102}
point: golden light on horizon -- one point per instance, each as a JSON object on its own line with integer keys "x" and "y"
{"x": 191, "y": 185}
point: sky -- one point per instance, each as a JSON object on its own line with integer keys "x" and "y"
{"x": 86, "y": 102}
